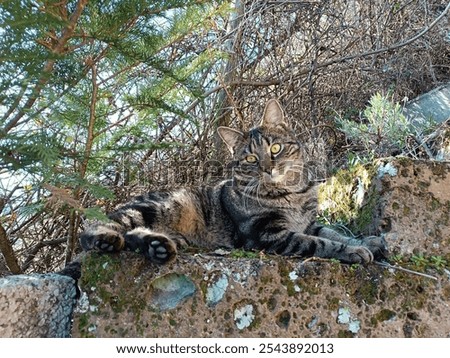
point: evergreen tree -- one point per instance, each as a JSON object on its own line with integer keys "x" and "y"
{"x": 86, "y": 86}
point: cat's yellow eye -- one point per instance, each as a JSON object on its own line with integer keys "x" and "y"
{"x": 275, "y": 148}
{"x": 251, "y": 158}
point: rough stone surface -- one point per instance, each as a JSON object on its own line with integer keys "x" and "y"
{"x": 326, "y": 299}
{"x": 270, "y": 296}
{"x": 415, "y": 208}
{"x": 38, "y": 305}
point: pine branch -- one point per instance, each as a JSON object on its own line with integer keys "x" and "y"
{"x": 58, "y": 49}
{"x": 74, "y": 216}
{"x": 92, "y": 119}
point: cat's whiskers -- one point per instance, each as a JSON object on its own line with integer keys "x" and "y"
{"x": 258, "y": 194}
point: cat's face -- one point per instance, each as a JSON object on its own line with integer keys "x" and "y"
{"x": 269, "y": 158}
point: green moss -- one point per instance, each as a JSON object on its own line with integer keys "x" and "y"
{"x": 433, "y": 204}
{"x": 266, "y": 279}
{"x": 365, "y": 216}
{"x": 368, "y": 292}
{"x": 361, "y": 282}
{"x": 113, "y": 291}
{"x": 284, "y": 269}
{"x": 403, "y": 161}
{"x": 423, "y": 185}
{"x": 98, "y": 269}
{"x": 203, "y": 288}
{"x": 345, "y": 334}
{"x": 83, "y": 325}
{"x": 172, "y": 322}
{"x": 439, "y": 169}
{"x": 384, "y": 315}
{"x": 350, "y": 197}
{"x": 406, "y": 210}
{"x": 332, "y": 303}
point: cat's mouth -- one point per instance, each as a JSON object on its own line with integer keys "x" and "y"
{"x": 285, "y": 177}
{"x": 274, "y": 185}
{"x": 274, "y": 181}
{"x": 275, "y": 177}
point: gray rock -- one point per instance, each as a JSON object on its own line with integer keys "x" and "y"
{"x": 434, "y": 105}
{"x": 38, "y": 305}
{"x": 170, "y": 290}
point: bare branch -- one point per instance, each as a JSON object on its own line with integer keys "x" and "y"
{"x": 305, "y": 72}
{"x": 8, "y": 252}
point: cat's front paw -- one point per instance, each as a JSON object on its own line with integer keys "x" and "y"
{"x": 155, "y": 246}
{"x": 377, "y": 245}
{"x": 103, "y": 238}
{"x": 161, "y": 249}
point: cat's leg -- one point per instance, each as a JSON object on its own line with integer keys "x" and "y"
{"x": 376, "y": 244}
{"x": 273, "y": 236}
{"x": 110, "y": 237}
{"x": 104, "y": 237}
{"x": 155, "y": 246}
{"x": 293, "y": 243}
{"x": 129, "y": 230}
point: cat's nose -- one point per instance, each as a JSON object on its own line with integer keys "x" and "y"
{"x": 267, "y": 170}
{"x": 266, "y": 166}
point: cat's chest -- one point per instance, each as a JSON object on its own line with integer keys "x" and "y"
{"x": 293, "y": 212}
{"x": 299, "y": 221}
{"x": 299, "y": 211}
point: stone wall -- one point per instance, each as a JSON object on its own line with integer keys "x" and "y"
{"x": 255, "y": 295}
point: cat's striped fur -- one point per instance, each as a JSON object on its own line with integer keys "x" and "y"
{"x": 269, "y": 204}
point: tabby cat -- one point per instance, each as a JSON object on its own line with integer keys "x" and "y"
{"x": 269, "y": 204}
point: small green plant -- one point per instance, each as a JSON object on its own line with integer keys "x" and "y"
{"x": 335, "y": 261}
{"x": 383, "y": 128}
{"x": 432, "y": 262}
{"x": 438, "y": 262}
{"x": 397, "y": 258}
{"x": 237, "y": 254}
{"x": 419, "y": 261}
{"x": 354, "y": 267}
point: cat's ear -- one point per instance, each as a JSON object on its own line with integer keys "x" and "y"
{"x": 231, "y": 137}
{"x": 273, "y": 115}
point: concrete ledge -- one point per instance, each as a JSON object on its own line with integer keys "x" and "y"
{"x": 267, "y": 297}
